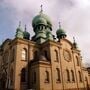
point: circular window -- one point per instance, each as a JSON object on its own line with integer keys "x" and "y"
{"x": 67, "y": 55}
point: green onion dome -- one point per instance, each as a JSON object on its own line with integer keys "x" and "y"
{"x": 26, "y": 35}
{"x": 19, "y": 29}
{"x": 19, "y": 32}
{"x": 41, "y": 19}
{"x": 60, "y": 33}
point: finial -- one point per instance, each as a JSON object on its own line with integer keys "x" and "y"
{"x": 19, "y": 23}
{"x": 74, "y": 39}
{"x": 59, "y": 25}
{"x": 75, "y": 44}
{"x": 41, "y": 8}
{"x": 25, "y": 27}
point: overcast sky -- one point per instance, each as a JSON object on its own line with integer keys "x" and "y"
{"x": 74, "y": 16}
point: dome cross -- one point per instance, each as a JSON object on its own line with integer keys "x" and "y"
{"x": 25, "y": 27}
{"x": 74, "y": 39}
{"x": 41, "y": 8}
{"x": 59, "y": 24}
{"x": 19, "y": 23}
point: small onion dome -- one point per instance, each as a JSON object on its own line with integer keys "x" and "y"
{"x": 26, "y": 35}
{"x": 19, "y": 32}
{"x": 41, "y": 19}
{"x": 60, "y": 33}
{"x": 19, "y": 29}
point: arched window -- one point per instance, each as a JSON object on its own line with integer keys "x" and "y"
{"x": 24, "y": 54}
{"x": 23, "y": 75}
{"x": 77, "y": 60}
{"x": 46, "y": 76}
{"x": 86, "y": 79}
{"x": 58, "y": 74}
{"x": 45, "y": 54}
{"x": 56, "y": 55}
{"x": 34, "y": 77}
{"x": 72, "y": 73}
{"x": 68, "y": 75}
{"x": 80, "y": 77}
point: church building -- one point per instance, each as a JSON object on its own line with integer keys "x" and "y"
{"x": 42, "y": 62}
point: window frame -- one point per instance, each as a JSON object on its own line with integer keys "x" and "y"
{"x": 73, "y": 76}
{"x": 58, "y": 75}
{"x": 68, "y": 75}
{"x": 47, "y": 79}
{"x": 56, "y": 56}
{"x": 24, "y": 54}
{"x": 80, "y": 76}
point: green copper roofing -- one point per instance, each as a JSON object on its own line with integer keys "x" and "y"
{"x": 43, "y": 19}
{"x": 41, "y": 34}
{"x": 19, "y": 31}
{"x": 49, "y": 36}
{"x": 42, "y": 26}
{"x": 60, "y": 32}
{"x": 26, "y": 34}
{"x": 40, "y": 20}
{"x": 19, "y": 27}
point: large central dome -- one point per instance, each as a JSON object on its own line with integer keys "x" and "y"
{"x": 42, "y": 26}
{"x": 41, "y": 19}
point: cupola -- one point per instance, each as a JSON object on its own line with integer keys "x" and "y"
{"x": 41, "y": 19}
{"x": 19, "y": 31}
{"x": 26, "y": 34}
{"x": 60, "y": 33}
